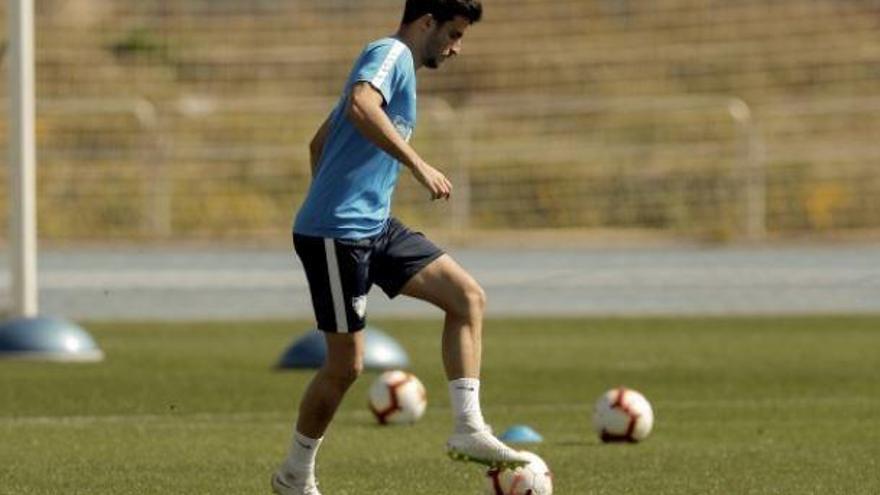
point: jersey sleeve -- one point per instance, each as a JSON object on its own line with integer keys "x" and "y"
{"x": 386, "y": 67}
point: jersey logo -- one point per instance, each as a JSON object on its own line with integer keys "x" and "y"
{"x": 404, "y": 128}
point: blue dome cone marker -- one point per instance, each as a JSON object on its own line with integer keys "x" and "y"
{"x": 44, "y": 338}
{"x": 521, "y": 434}
{"x": 307, "y": 351}
{"x": 382, "y": 352}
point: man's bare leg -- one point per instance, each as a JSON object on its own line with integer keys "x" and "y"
{"x": 318, "y": 406}
{"x": 345, "y": 361}
{"x": 448, "y": 286}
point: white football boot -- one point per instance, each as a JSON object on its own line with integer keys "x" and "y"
{"x": 286, "y": 484}
{"x": 483, "y": 448}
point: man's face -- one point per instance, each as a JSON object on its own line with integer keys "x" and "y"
{"x": 444, "y": 41}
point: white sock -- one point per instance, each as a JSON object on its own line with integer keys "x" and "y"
{"x": 464, "y": 396}
{"x": 301, "y": 458}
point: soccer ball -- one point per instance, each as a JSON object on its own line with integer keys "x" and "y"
{"x": 622, "y": 415}
{"x": 532, "y": 479}
{"x": 397, "y": 397}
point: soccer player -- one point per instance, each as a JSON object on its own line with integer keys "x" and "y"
{"x": 347, "y": 240}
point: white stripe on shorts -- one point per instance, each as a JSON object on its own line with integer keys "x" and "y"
{"x": 336, "y": 286}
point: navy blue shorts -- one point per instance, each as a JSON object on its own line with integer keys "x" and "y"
{"x": 342, "y": 271}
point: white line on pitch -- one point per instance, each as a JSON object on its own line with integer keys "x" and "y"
{"x": 571, "y": 406}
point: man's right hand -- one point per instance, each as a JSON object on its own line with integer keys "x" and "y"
{"x": 434, "y": 181}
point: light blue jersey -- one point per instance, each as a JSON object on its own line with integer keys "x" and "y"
{"x": 350, "y": 196}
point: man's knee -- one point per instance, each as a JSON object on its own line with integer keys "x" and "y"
{"x": 471, "y": 301}
{"x": 477, "y": 298}
{"x": 344, "y": 373}
{"x": 345, "y": 358}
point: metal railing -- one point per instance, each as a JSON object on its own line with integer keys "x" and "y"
{"x": 707, "y": 166}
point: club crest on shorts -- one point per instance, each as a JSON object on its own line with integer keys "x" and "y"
{"x": 359, "y": 304}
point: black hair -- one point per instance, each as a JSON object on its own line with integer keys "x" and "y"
{"x": 442, "y": 10}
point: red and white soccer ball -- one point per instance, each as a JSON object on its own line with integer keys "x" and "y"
{"x": 397, "y": 397}
{"x": 532, "y": 479}
{"x": 623, "y": 415}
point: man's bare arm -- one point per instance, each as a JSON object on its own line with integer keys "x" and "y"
{"x": 316, "y": 146}
{"x": 365, "y": 112}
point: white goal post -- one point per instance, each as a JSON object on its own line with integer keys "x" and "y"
{"x": 22, "y": 160}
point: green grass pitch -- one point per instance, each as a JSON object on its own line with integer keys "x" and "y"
{"x": 743, "y": 406}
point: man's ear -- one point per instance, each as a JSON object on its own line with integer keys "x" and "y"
{"x": 427, "y": 21}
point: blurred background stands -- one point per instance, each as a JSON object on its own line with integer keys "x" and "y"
{"x": 189, "y": 119}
